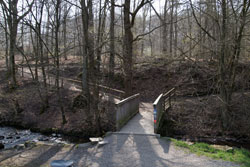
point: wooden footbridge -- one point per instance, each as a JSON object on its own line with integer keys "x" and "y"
{"x": 138, "y": 117}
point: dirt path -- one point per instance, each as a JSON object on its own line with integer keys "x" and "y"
{"x": 66, "y": 83}
{"x": 51, "y": 80}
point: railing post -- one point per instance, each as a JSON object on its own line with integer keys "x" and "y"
{"x": 155, "y": 118}
{"x": 174, "y": 94}
{"x": 169, "y": 99}
{"x": 160, "y": 107}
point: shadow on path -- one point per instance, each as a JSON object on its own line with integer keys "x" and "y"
{"x": 142, "y": 122}
{"x": 44, "y": 157}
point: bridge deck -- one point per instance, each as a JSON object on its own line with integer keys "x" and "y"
{"x": 142, "y": 122}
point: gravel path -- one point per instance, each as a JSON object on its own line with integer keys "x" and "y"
{"x": 121, "y": 151}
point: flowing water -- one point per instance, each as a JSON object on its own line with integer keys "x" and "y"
{"x": 10, "y": 137}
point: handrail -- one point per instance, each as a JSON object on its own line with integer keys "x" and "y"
{"x": 161, "y": 105}
{"x": 157, "y": 100}
{"x": 127, "y": 99}
{"x": 126, "y": 109}
{"x": 167, "y": 98}
{"x": 170, "y": 91}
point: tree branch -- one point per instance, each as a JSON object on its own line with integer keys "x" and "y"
{"x": 21, "y": 17}
{"x": 146, "y": 33}
{"x": 198, "y": 23}
{"x": 143, "y": 2}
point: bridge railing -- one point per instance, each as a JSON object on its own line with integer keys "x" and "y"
{"x": 126, "y": 109}
{"x": 162, "y": 104}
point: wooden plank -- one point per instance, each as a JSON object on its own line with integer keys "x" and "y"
{"x": 169, "y": 92}
{"x": 128, "y": 99}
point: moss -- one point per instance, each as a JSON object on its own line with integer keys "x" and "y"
{"x": 237, "y": 155}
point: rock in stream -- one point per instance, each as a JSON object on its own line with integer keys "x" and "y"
{"x": 12, "y": 137}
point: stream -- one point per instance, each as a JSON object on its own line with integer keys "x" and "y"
{"x": 10, "y": 137}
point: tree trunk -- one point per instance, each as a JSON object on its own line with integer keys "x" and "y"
{"x": 65, "y": 30}
{"x": 189, "y": 31}
{"x": 57, "y": 27}
{"x": 165, "y": 33}
{"x": 145, "y": 10}
{"x": 127, "y": 49}
{"x": 7, "y": 43}
{"x": 171, "y": 28}
{"x": 176, "y": 29}
{"x": 85, "y": 75}
{"x": 12, "y": 24}
{"x": 149, "y": 36}
{"x": 223, "y": 87}
{"x": 112, "y": 39}
{"x": 13, "y": 18}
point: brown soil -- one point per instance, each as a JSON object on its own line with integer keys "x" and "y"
{"x": 199, "y": 119}
{"x": 22, "y": 107}
{"x": 196, "y": 113}
{"x": 191, "y": 79}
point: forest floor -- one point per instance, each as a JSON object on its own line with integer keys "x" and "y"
{"x": 23, "y": 108}
{"x": 194, "y": 115}
{"x": 198, "y": 119}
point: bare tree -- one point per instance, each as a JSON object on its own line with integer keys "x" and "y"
{"x": 112, "y": 39}
{"x": 144, "y": 17}
{"x": 176, "y": 28}
{"x": 13, "y": 18}
{"x": 228, "y": 58}
{"x": 5, "y": 27}
{"x": 128, "y": 42}
{"x": 171, "y": 31}
{"x": 165, "y": 30}
{"x": 87, "y": 23}
{"x": 40, "y": 49}
{"x": 66, "y": 11}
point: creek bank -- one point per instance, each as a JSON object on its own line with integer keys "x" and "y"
{"x": 33, "y": 116}
{"x": 223, "y": 141}
{"x": 12, "y": 137}
{"x": 69, "y": 134}
{"x": 198, "y": 119}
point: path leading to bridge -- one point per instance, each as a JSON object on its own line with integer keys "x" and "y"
{"x": 121, "y": 151}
